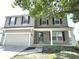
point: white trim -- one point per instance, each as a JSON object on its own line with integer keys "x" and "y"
{"x": 18, "y": 28}
{"x": 53, "y": 29}
{"x": 19, "y": 33}
{"x": 17, "y": 15}
{"x": 39, "y": 29}
{"x": 29, "y": 40}
{"x": 4, "y": 39}
{"x": 51, "y": 37}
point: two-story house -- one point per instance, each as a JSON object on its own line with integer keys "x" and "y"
{"x": 23, "y": 30}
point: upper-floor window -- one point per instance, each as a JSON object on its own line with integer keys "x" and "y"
{"x": 56, "y": 21}
{"x": 44, "y": 22}
{"x": 25, "y": 20}
{"x": 12, "y": 20}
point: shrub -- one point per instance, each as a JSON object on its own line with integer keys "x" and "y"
{"x": 55, "y": 49}
{"x": 77, "y": 47}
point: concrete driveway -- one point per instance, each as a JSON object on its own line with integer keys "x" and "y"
{"x": 10, "y": 51}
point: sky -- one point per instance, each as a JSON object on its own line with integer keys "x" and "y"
{"x": 6, "y": 9}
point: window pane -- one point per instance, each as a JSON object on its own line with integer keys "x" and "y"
{"x": 59, "y": 34}
{"x": 56, "y": 21}
{"x": 43, "y": 22}
{"x": 25, "y": 20}
{"x": 26, "y": 17}
{"x": 54, "y": 38}
{"x": 60, "y": 38}
{"x": 54, "y": 33}
{"x": 12, "y": 21}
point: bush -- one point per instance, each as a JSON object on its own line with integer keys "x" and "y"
{"x": 77, "y": 47}
{"x": 55, "y": 49}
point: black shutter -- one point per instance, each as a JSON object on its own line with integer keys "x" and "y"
{"x": 22, "y": 20}
{"x": 63, "y": 36}
{"x": 60, "y": 21}
{"x": 15, "y": 20}
{"x": 9, "y": 20}
{"x": 47, "y": 22}
{"x": 40, "y": 21}
{"x": 52, "y": 20}
{"x": 49, "y": 36}
{"x": 28, "y": 19}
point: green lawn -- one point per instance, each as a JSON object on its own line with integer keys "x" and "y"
{"x": 49, "y": 56}
{"x": 53, "y": 52}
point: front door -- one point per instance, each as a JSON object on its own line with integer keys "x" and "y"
{"x": 40, "y": 38}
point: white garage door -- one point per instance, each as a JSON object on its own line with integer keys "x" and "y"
{"x": 17, "y": 40}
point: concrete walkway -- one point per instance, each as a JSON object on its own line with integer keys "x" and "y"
{"x": 9, "y": 52}
{"x": 36, "y": 50}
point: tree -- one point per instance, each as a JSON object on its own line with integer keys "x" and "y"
{"x": 49, "y": 8}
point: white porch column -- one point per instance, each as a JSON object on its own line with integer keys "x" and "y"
{"x": 4, "y": 39}
{"x": 29, "y": 39}
{"x": 51, "y": 37}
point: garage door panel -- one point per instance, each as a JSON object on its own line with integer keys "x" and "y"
{"x": 17, "y": 39}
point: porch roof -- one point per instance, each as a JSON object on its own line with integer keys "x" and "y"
{"x": 54, "y": 29}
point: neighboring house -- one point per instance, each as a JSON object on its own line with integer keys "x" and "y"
{"x": 1, "y": 36}
{"x": 23, "y": 30}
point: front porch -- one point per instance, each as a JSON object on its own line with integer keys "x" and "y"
{"x": 54, "y": 36}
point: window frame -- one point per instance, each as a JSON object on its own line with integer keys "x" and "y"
{"x": 12, "y": 20}
{"x": 57, "y": 35}
{"x": 55, "y": 20}
{"x": 25, "y": 20}
{"x": 44, "y": 20}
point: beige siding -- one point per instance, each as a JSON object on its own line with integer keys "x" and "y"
{"x": 46, "y": 38}
{"x": 18, "y": 31}
{"x": 66, "y": 37}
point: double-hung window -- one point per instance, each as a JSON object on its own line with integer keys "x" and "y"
{"x": 25, "y": 20}
{"x": 44, "y": 22}
{"x": 57, "y": 36}
{"x": 56, "y": 21}
{"x": 12, "y": 20}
